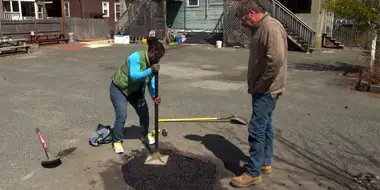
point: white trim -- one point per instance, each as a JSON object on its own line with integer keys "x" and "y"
{"x": 108, "y": 8}
{"x": 36, "y": 11}
{"x": 188, "y": 4}
{"x": 11, "y": 6}
{"x": 191, "y": 31}
{"x": 21, "y": 0}
{"x": 19, "y": 8}
{"x": 114, "y": 8}
{"x": 68, "y": 7}
{"x": 216, "y": 4}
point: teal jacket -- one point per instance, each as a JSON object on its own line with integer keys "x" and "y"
{"x": 135, "y": 74}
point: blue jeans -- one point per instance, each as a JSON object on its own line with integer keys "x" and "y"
{"x": 120, "y": 104}
{"x": 260, "y": 133}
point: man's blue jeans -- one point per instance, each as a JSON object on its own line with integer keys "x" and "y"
{"x": 260, "y": 133}
{"x": 120, "y": 104}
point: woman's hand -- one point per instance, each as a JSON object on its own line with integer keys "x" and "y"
{"x": 157, "y": 100}
{"x": 155, "y": 67}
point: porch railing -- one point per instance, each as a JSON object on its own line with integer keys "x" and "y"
{"x": 289, "y": 20}
{"x": 11, "y": 16}
{"x": 120, "y": 23}
{"x": 16, "y": 16}
{"x": 219, "y": 25}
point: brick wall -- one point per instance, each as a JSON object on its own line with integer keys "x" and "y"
{"x": 92, "y": 6}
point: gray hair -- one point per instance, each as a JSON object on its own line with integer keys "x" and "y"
{"x": 248, "y": 5}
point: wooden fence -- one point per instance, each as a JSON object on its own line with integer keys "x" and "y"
{"x": 88, "y": 28}
{"x": 22, "y": 28}
{"x": 82, "y": 28}
{"x": 349, "y": 36}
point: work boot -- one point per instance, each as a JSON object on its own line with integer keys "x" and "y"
{"x": 245, "y": 180}
{"x": 266, "y": 170}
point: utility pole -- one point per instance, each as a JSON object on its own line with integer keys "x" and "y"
{"x": 81, "y": 9}
{"x": 63, "y": 20}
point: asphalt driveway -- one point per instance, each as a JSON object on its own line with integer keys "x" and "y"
{"x": 325, "y": 133}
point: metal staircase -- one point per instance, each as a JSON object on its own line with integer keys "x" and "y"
{"x": 130, "y": 16}
{"x": 298, "y": 31}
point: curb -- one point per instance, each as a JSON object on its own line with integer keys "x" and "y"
{"x": 33, "y": 47}
{"x": 374, "y": 88}
{"x": 366, "y": 87}
{"x": 98, "y": 42}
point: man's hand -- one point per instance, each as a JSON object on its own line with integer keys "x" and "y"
{"x": 155, "y": 68}
{"x": 157, "y": 100}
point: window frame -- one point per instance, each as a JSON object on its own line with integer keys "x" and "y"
{"x": 108, "y": 8}
{"x": 68, "y": 8}
{"x": 115, "y": 4}
{"x": 188, "y": 4}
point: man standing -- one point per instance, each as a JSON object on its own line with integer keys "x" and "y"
{"x": 267, "y": 69}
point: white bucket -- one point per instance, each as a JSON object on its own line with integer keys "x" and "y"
{"x": 118, "y": 39}
{"x": 126, "y": 39}
{"x": 32, "y": 33}
{"x": 152, "y": 33}
{"x": 71, "y": 37}
{"x": 219, "y": 44}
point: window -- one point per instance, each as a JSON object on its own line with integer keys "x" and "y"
{"x": 7, "y": 6}
{"x": 304, "y": 6}
{"x": 11, "y": 10}
{"x": 10, "y": 6}
{"x": 40, "y": 12}
{"x": 192, "y": 3}
{"x": 15, "y": 6}
{"x": 67, "y": 9}
{"x": 28, "y": 9}
{"x": 106, "y": 9}
{"x": 117, "y": 11}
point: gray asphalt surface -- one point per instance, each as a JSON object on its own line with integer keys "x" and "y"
{"x": 324, "y": 132}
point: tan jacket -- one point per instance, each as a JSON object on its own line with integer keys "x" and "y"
{"x": 267, "y": 65}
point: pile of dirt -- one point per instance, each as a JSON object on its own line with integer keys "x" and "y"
{"x": 183, "y": 171}
{"x": 372, "y": 78}
{"x": 367, "y": 180}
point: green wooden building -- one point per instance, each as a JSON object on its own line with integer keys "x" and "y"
{"x": 194, "y": 15}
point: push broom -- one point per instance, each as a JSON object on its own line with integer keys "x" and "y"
{"x": 155, "y": 158}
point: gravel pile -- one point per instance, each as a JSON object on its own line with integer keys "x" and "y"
{"x": 182, "y": 172}
{"x": 367, "y": 181}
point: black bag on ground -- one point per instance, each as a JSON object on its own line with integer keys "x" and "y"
{"x": 102, "y": 135}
